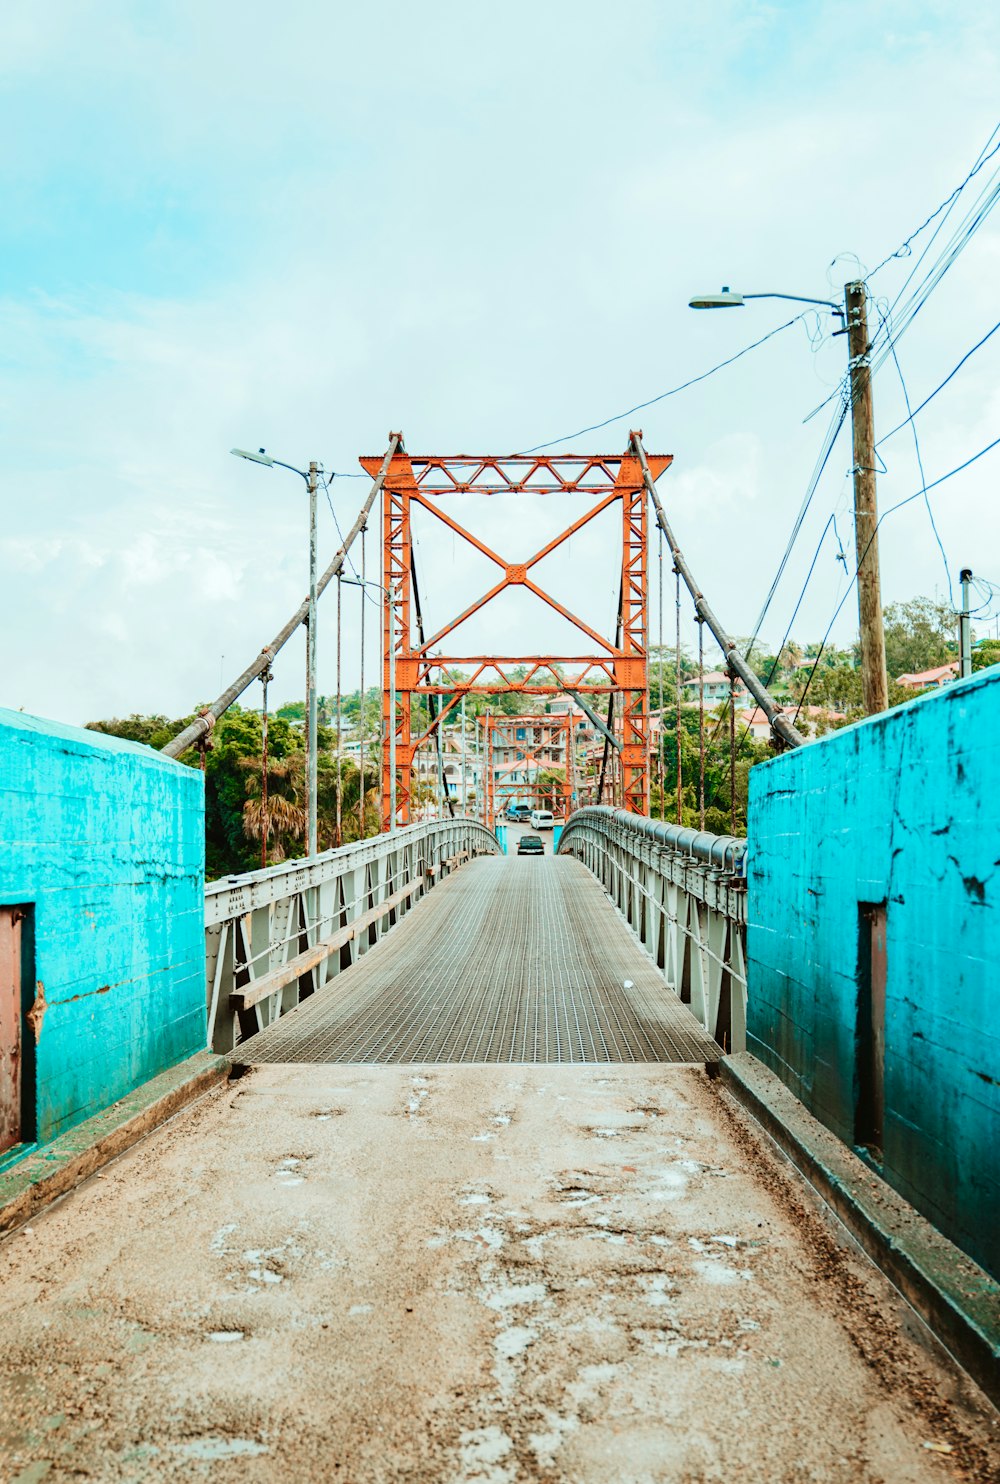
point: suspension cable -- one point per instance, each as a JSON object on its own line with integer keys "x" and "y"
{"x": 433, "y": 705}
{"x": 611, "y": 715}
{"x": 265, "y": 676}
{"x": 732, "y": 754}
{"x": 203, "y": 724}
{"x": 340, "y": 766}
{"x": 735, "y": 661}
{"x": 361, "y": 708}
{"x": 701, "y": 724}
{"x": 659, "y": 732}
{"x": 677, "y": 670}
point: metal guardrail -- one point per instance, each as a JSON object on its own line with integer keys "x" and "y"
{"x": 273, "y": 937}
{"x": 683, "y": 892}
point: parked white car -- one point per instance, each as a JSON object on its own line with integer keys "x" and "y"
{"x": 542, "y": 819}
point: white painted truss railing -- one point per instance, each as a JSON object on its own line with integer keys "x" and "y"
{"x": 273, "y": 937}
{"x": 683, "y": 893}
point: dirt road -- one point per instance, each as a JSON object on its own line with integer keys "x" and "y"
{"x": 496, "y": 1274}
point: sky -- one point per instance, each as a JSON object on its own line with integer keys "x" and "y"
{"x": 301, "y": 226}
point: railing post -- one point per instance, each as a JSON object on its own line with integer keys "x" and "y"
{"x": 681, "y": 892}
{"x": 273, "y": 935}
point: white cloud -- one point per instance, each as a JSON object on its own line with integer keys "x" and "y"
{"x": 487, "y": 244}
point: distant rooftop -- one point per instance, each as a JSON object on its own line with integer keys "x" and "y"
{"x": 922, "y": 679}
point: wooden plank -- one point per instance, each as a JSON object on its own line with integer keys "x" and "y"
{"x": 451, "y": 862}
{"x": 258, "y": 989}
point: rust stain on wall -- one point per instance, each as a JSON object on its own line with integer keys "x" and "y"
{"x": 71, "y": 999}
{"x": 36, "y": 1014}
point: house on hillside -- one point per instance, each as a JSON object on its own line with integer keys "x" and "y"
{"x": 808, "y": 719}
{"x": 716, "y": 688}
{"x": 930, "y": 679}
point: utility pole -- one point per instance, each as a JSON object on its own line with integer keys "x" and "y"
{"x": 874, "y": 683}
{"x": 311, "y": 745}
{"x": 965, "y": 627}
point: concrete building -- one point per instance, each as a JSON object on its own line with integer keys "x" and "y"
{"x": 716, "y": 688}
{"x": 102, "y": 953}
{"x": 871, "y": 940}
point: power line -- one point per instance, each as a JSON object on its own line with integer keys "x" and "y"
{"x": 777, "y": 658}
{"x": 641, "y": 406}
{"x": 895, "y": 324}
{"x": 992, "y": 589}
{"x": 934, "y": 484}
{"x": 940, "y": 387}
{"x": 923, "y": 479}
{"x": 326, "y": 490}
{"x": 904, "y": 248}
{"x": 884, "y": 516}
{"x": 826, "y": 449}
{"x": 947, "y": 259}
{"x": 822, "y": 459}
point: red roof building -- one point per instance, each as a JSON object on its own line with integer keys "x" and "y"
{"x": 930, "y": 679}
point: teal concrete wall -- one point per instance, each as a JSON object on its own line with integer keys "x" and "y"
{"x": 106, "y": 839}
{"x": 902, "y": 809}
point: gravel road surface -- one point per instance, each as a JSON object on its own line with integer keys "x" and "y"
{"x": 463, "y": 1273}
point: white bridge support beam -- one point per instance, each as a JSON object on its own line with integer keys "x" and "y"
{"x": 683, "y": 893}
{"x": 324, "y": 911}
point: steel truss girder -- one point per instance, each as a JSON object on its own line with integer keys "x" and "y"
{"x": 500, "y": 736}
{"x": 620, "y": 666}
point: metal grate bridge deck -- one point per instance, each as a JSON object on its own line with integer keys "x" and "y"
{"x": 507, "y": 960}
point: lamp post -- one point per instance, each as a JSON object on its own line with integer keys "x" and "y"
{"x": 965, "y": 626}
{"x": 311, "y": 478}
{"x": 390, "y": 597}
{"x": 870, "y": 626}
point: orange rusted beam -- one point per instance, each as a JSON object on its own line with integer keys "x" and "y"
{"x": 502, "y": 737}
{"x": 566, "y": 613}
{"x": 571, "y": 530}
{"x": 622, "y": 668}
{"x": 460, "y": 530}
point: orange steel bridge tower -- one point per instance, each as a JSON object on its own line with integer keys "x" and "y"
{"x": 510, "y": 736}
{"x": 616, "y": 666}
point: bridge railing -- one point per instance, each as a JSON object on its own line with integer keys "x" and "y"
{"x": 683, "y": 893}
{"x": 275, "y": 936}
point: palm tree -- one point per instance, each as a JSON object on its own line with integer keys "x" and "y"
{"x": 283, "y": 821}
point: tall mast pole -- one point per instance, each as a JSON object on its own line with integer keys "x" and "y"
{"x": 874, "y": 682}
{"x": 311, "y": 744}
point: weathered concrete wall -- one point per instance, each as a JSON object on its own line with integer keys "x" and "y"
{"x": 903, "y": 809}
{"x": 106, "y": 839}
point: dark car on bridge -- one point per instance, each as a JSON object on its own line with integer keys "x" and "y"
{"x": 530, "y": 845}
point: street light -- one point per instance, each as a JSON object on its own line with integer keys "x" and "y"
{"x": 311, "y": 478}
{"x": 727, "y": 299}
{"x": 874, "y": 681}
{"x": 390, "y": 597}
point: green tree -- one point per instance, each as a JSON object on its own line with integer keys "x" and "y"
{"x": 919, "y": 635}
{"x": 154, "y": 731}
{"x": 238, "y": 737}
{"x": 550, "y": 783}
{"x": 987, "y": 653}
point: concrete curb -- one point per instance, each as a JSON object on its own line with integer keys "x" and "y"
{"x": 957, "y": 1299}
{"x": 51, "y": 1170}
